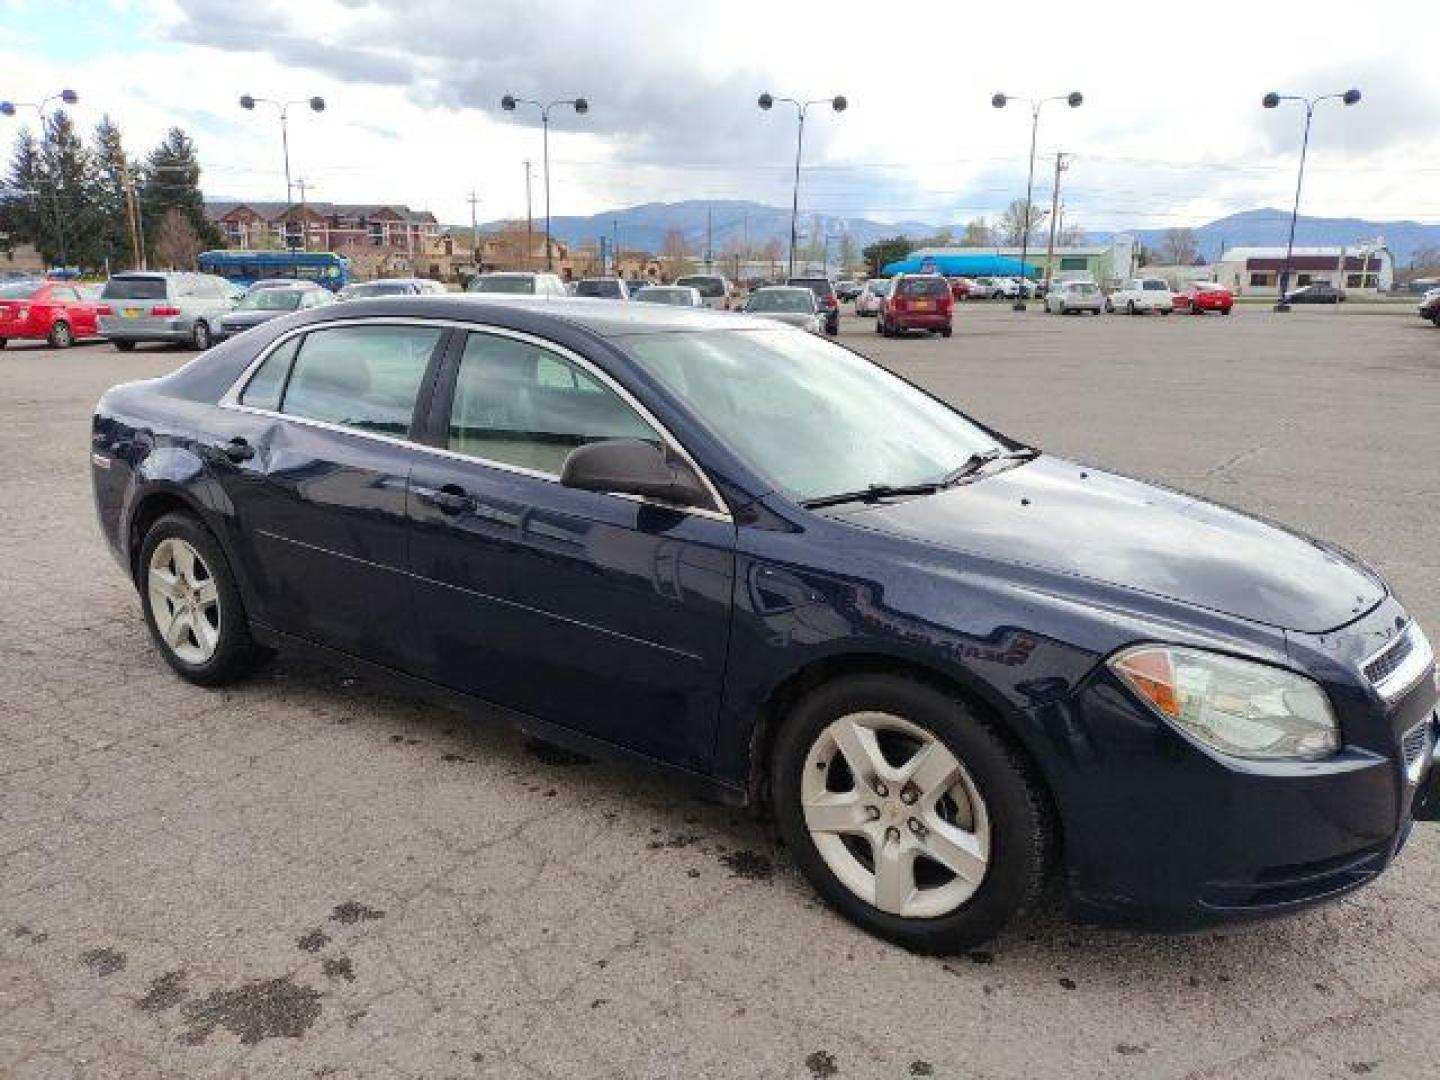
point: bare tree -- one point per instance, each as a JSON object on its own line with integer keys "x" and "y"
{"x": 1179, "y": 247}
{"x": 1070, "y": 236}
{"x": 978, "y": 234}
{"x": 849, "y": 253}
{"x": 177, "y": 244}
{"x": 1012, "y": 227}
{"x": 1426, "y": 259}
{"x": 673, "y": 252}
{"x": 771, "y": 253}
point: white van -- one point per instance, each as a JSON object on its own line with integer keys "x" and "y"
{"x": 1140, "y": 296}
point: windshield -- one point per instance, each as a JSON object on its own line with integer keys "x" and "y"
{"x": 134, "y": 288}
{"x": 378, "y": 288}
{"x": 270, "y": 300}
{"x": 880, "y": 286}
{"x": 598, "y": 287}
{"x": 710, "y": 287}
{"x": 1156, "y": 286}
{"x": 503, "y": 283}
{"x": 677, "y": 297}
{"x": 19, "y": 292}
{"x": 793, "y": 300}
{"x": 812, "y": 417}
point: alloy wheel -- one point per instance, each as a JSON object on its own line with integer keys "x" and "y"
{"x": 895, "y": 815}
{"x": 184, "y": 600}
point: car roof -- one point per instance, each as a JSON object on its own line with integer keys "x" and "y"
{"x": 604, "y": 318}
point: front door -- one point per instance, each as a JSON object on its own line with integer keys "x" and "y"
{"x": 603, "y": 613}
{"x": 317, "y": 481}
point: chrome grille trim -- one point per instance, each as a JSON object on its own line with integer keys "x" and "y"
{"x": 1402, "y": 663}
{"x": 1415, "y": 745}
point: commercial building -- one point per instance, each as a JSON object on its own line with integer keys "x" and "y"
{"x": 1256, "y": 271}
{"x": 378, "y": 239}
{"x": 1104, "y": 263}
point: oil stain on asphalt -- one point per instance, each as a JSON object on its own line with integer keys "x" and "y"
{"x": 104, "y": 961}
{"x": 750, "y": 865}
{"x": 263, "y": 1009}
{"x": 352, "y": 911}
{"x": 165, "y": 992}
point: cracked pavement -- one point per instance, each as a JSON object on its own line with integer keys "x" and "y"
{"x": 306, "y": 875}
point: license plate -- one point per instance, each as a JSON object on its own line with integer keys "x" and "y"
{"x": 131, "y": 312}
{"x": 922, "y": 305}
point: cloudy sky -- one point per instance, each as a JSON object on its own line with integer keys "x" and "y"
{"x": 1171, "y": 131}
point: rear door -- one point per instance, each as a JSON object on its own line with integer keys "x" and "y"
{"x": 318, "y": 482}
{"x": 603, "y": 613}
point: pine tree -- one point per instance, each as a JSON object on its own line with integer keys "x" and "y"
{"x": 172, "y": 182}
{"x": 23, "y": 216}
{"x": 69, "y": 178}
{"x": 108, "y": 195}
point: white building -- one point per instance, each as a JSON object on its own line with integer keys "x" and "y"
{"x": 1256, "y": 271}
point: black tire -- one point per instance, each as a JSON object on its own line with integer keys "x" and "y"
{"x": 1226, "y": 311}
{"x": 947, "y": 331}
{"x": 60, "y": 336}
{"x": 200, "y": 336}
{"x": 236, "y": 654}
{"x": 124, "y": 346}
{"x": 1021, "y": 825}
{"x": 2, "y": 342}
{"x": 879, "y": 325}
{"x": 1129, "y": 307}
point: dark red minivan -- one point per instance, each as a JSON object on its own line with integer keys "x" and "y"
{"x": 917, "y": 302}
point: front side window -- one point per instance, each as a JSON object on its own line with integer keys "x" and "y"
{"x": 812, "y": 417}
{"x": 363, "y": 377}
{"x": 523, "y": 405}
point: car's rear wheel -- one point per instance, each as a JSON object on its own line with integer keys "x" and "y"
{"x": 200, "y": 335}
{"x": 124, "y": 346}
{"x": 909, "y": 813}
{"x": 61, "y": 336}
{"x": 192, "y": 605}
{"x": 1130, "y": 307}
{"x": 2, "y": 342}
{"x": 947, "y": 330}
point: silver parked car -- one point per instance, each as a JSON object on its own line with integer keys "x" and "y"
{"x": 714, "y": 289}
{"x": 171, "y": 306}
{"x": 518, "y": 283}
{"x": 674, "y": 295}
{"x": 788, "y": 304}
{"x": 1067, "y": 296}
{"x": 368, "y": 290}
{"x": 875, "y": 290}
{"x": 261, "y": 305}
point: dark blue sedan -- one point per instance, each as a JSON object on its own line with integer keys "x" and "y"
{"x": 949, "y": 664}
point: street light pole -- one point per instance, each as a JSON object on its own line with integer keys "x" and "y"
{"x": 581, "y": 107}
{"x": 1270, "y": 101}
{"x": 69, "y": 97}
{"x": 316, "y": 104}
{"x": 999, "y": 101}
{"x": 766, "y": 102}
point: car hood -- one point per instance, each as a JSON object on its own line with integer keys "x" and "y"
{"x": 240, "y": 319}
{"x": 1060, "y": 516}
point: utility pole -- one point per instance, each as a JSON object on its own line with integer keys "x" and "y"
{"x": 132, "y": 214}
{"x": 1060, "y": 166}
{"x": 529, "y": 221}
{"x": 615, "y": 247}
{"x": 709, "y": 239}
{"x": 302, "y": 184}
{"x": 474, "y": 200}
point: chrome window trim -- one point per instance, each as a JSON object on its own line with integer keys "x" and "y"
{"x": 231, "y": 400}
{"x": 1416, "y": 665}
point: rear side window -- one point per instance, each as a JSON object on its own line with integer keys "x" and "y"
{"x": 362, "y": 377}
{"x": 710, "y": 287}
{"x": 520, "y": 404}
{"x": 265, "y": 386}
{"x": 1152, "y": 285}
{"x": 607, "y": 289}
{"x": 123, "y": 288}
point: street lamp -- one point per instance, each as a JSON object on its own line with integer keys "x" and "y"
{"x": 316, "y": 104}
{"x": 1271, "y": 101}
{"x": 767, "y": 102}
{"x": 1074, "y": 100}
{"x": 581, "y": 107}
{"x": 69, "y": 97}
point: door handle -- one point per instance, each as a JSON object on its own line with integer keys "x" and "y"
{"x": 237, "y": 450}
{"x": 449, "y": 500}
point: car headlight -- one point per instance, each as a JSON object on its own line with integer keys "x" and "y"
{"x": 1238, "y": 707}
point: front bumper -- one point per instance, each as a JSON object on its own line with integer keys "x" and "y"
{"x": 1158, "y": 833}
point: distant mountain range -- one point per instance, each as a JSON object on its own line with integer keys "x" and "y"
{"x": 644, "y": 227}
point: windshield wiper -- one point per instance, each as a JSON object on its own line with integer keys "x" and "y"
{"x": 873, "y": 493}
{"x": 977, "y": 461}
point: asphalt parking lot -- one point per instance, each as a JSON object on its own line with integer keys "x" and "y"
{"x": 308, "y": 876}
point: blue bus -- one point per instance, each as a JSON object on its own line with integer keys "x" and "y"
{"x": 247, "y": 267}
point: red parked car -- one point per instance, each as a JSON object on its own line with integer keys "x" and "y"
{"x": 53, "y": 311}
{"x": 960, "y": 287}
{"x": 1201, "y": 296}
{"x": 916, "y": 302}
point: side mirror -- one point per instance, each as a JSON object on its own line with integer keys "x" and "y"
{"x": 631, "y": 467}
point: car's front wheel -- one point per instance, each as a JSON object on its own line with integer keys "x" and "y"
{"x": 124, "y": 346}
{"x": 909, "y": 813}
{"x": 192, "y": 605}
{"x": 61, "y": 337}
{"x": 200, "y": 335}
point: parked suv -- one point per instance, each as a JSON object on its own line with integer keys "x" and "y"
{"x": 917, "y": 302}
{"x": 1138, "y": 296}
{"x": 518, "y": 283}
{"x": 825, "y": 296}
{"x": 713, "y": 288}
{"x": 178, "y": 307}
{"x": 1067, "y": 296}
